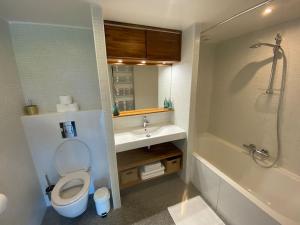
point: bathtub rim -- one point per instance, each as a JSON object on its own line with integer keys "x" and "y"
{"x": 239, "y": 149}
{"x": 246, "y": 193}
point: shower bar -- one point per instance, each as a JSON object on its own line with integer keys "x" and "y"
{"x": 237, "y": 15}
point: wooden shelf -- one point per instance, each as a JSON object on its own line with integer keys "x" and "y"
{"x": 142, "y": 156}
{"x": 139, "y": 181}
{"x": 142, "y": 112}
{"x": 132, "y": 159}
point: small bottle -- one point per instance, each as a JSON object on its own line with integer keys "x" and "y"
{"x": 166, "y": 103}
{"x": 170, "y": 103}
{"x": 115, "y": 110}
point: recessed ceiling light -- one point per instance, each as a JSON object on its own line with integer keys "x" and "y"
{"x": 164, "y": 63}
{"x": 267, "y": 11}
{"x": 120, "y": 61}
{"x": 143, "y": 61}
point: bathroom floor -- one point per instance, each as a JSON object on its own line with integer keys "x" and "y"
{"x": 145, "y": 204}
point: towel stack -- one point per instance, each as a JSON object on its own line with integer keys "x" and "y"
{"x": 152, "y": 170}
{"x": 67, "y": 104}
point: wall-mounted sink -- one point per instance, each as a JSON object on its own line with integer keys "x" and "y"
{"x": 132, "y": 138}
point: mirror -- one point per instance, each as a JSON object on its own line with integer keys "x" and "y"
{"x": 140, "y": 87}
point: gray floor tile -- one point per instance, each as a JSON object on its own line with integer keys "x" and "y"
{"x": 145, "y": 204}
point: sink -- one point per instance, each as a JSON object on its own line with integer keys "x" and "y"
{"x": 151, "y": 130}
{"x": 137, "y": 137}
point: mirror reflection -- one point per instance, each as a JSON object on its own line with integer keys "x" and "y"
{"x": 136, "y": 87}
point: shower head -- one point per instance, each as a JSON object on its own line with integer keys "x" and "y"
{"x": 278, "y": 40}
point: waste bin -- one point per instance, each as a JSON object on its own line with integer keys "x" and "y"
{"x": 102, "y": 201}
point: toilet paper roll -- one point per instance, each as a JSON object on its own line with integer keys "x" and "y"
{"x": 62, "y": 108}
{"x": 73, "y": 107}
{"x": 3, "y": 203}
{"x": 65, "y": 99}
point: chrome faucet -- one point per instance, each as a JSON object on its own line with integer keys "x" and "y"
{"x": 253, "y": 150}
{"x": 146, "y": 122}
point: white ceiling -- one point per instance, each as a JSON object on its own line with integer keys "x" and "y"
{"x": 176, "y": 14}
{"x": 282, "y": 11}
{"x": 63, "y": 12}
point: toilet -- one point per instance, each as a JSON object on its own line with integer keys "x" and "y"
{"x": 72, "y": 162}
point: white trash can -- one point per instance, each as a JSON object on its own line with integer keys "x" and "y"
{"x": 102, "y": 201}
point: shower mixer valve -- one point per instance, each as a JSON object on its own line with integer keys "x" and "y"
{"x": 261, "y": 153}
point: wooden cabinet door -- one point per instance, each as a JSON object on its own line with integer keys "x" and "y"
{"x": 123, "y": 42}
{"x": 164, "y": 46}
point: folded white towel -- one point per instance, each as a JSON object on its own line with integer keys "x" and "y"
{"x": 151, "y": 166}
{"x": 152, "y": 175}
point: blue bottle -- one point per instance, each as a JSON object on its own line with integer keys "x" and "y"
{"x": 166, "y": 103}
{"x": 170, "y": 104}
{"x": 115, "y": 110}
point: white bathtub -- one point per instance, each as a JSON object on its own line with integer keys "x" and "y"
{"x": 240, "y": 190}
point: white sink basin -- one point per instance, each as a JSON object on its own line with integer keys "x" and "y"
{"x": 128, "y": 139}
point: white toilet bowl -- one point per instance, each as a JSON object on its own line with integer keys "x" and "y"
{"x": 72, "y": 161}
{"x": 70, "y": 195}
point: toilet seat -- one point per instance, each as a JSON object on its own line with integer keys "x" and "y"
{"x": 68, "y": 180}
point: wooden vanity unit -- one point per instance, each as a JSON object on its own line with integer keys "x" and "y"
{"x": 133, "y": 44}
{"x": 130, "y": 161}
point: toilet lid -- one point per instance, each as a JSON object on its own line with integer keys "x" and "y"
{"x": 71, "y": 156}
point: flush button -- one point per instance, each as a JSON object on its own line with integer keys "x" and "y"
{"x": 68, "y": 129}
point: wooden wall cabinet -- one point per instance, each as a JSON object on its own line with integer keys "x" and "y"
{"x": 125, "y": 42}
{"x": 163, "y": 46}
{"x": 134, "y": 43}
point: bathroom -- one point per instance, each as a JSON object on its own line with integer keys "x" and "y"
{"x": 123, "y": 112}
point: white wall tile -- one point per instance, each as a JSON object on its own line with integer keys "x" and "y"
{"x": 205, "y": 83}
{"x": 106, "y": 103}
{"x": 53, "y": 61}
{"x": 43, "y": 135}
{"x": 240, "y": 111}
{"x": 18, "y": 179}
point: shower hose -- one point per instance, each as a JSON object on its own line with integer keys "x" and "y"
{"x": 278, "y": 120}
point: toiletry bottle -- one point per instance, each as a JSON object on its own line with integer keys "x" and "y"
{"x": 170, "y": 104}
{"x": 166, "y": 103}
{"x": 115, "y": 110}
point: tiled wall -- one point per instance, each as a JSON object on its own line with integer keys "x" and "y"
{"x": 44, "y": 136}
{"x": 204, "y": 90}
{"x": 105, "y": 88}
{"x": 54, "y": 61}
{"x": 241, "y": 112}
{"x": 18, "y": 180}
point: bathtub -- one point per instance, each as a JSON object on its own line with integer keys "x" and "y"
{"x": 240, "y": 191}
